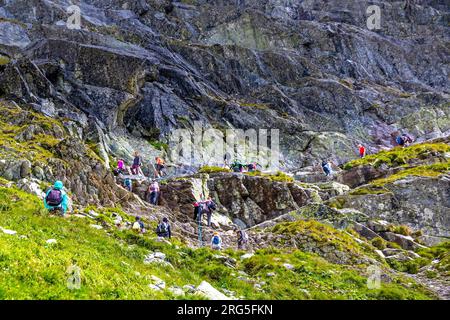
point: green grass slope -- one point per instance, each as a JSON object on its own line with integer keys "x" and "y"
{"x": 111, "y": 264}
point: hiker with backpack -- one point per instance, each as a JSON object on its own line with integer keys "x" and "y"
{"x": 57, "y": 199}
{"x": 407, "y": 138}
{"x": 137, "y": 162}
{"x": 216, "y": 242}
{"x": 128, "y": 184}
{"x": 138, "y": 225}
{"x": 400, "y": 141}
{"x": 242, "y": 239}
{"x": 163, "y": 229}
{"x": 154, "y": 192}
{"x": 362, "y": 151}
{"x": 208, "y": 208}
{"x": 326, "y": 167}
{"x": 197, "y": 209}
{"x": 120, "y": 168}
{"x": 159, "y": 167}
{"x": 236, "y": 166}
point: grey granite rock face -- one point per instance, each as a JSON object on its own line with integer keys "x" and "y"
{"x": 311, "y": 69}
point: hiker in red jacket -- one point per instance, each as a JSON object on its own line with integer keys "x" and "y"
{"x": 362, "y": 151}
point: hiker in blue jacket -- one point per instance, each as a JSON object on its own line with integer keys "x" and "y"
{"x": 56, "y": 198}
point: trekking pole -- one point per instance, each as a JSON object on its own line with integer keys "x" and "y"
{"x": 200, "y": 239}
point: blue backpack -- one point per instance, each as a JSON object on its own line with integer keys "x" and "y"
{"x": 216, "y": 240}
{"x": 399, "y": 140}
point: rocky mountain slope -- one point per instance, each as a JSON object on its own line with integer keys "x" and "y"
{"x": 73, "y": 101}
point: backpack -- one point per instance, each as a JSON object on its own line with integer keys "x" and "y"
{"x": 54, "y": 198}
{"x": 399, "y": 140}
{"x": 162, "y": 228}
{"x": 216, "y": 240}
{"x": 212, "y": 205}
{"x": 127, "y": 182}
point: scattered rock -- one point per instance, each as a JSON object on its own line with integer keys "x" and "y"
{"x": 51, "y": 241}
{"x": 288, "y": 266}
{"x": 11, "y": 232}
{"x": 247, "y": 256}
{"x": 189, "y": 288}
{"x": 406, "y": 242}
{"x": 176, "y": 291}
{"x": 157, "y": 283}
{"x": 96, "y": 226}
{"x": 210, "y": 292}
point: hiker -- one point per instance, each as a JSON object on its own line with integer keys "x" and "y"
{"x": 163, "y": 229}
{"x": 242, "y": 239}
{"x": 120, "y": 167}
{"x": 137, "y": 162}
{"x": 400, "y": 141}
{"x": 216, "y": 242}
{"x": 197, "y": 208}
{"x": 56, "y": 198}
{"x": 236, "y": 166}
{"x": 210, "y": 206}
{"x": 154, "y": 192}
{"x": 226, "y": 159}
{"x": 326, "y": 166}
{"x": 362, "y": 151}
{"x": 252, "y": 167}
{"x": 407, "y": 138}
{"x": 138, "y": 225}
{"x": 159, "y": 166}
{"x": 128, "y": 184}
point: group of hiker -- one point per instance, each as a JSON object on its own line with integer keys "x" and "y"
{"x": 57, "y": 200}
{"x": 402, "y": 140}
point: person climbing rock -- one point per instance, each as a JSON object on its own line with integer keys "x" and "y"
{"x": 120, "y": 169}
{"x": 242, "y": 239}
{"x": 326, "y": 167}
{"x": 407, "y": 139}
{"x": 128, "y": 184}
{"x": 56, "y": 198}
{"x": 226, "y": 159}
{"x": 400, "y": 141}
{"x": 137, "y": 162}
{"x": 159, "y": 167}
{"x": 197, "y": 208}
{"x": 210, "y": 207}
{"x": 362, "y": 151}
{"x": 163, "y": 229}
{"x": 216, "y": 242}
{"x": 138, "y": 225}
{"x": 154, "y": 192}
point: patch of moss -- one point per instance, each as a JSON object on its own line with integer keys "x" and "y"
{"x": 278, "y": 177}
{"x": 336, "y": 202}
{"x": 399, "y": 156}
{"x": 159, "y": 145}
{"x": 379, "y": 243}
{"x": 4, "y": 60}
{"x": 213, "y": 169}
{"x": 433, "y": 170}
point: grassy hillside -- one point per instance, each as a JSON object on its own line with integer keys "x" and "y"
{"x": 112, "y": 267}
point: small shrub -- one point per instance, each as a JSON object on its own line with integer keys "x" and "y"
{"x": 379, "y": 243}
